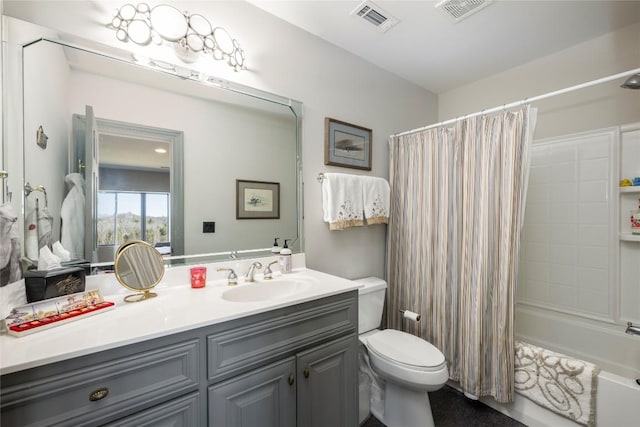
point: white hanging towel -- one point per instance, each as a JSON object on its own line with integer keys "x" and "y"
{"x": 342, "y": 201}
{"x": 10, "y": 252}
{"x": 45, "y": 224}
{"x": 31, "y": 225}
{"x": 376, "y": 193}
{"x": 72, "y": 215}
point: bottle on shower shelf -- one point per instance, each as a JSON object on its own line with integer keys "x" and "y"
{"x": 635, "y": 220}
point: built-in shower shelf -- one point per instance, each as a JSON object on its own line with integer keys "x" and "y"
{"x": 628, "y": 237}
{"x": 634, "y": 189}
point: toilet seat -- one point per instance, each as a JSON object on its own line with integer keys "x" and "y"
{"x": 406, "y": 360}
{"x": 406, "y": 349}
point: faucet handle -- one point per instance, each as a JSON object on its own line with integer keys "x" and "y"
{"x": 232, "y": 278}
{"x": 268, "y": 274}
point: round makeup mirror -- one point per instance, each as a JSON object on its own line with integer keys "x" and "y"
{"x": 139, "y": 267}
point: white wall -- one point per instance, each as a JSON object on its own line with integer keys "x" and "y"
{"x": 593, "y": 108}
{"x": 286, "y": 60}
{"x": 48, "y": 106}
{"x": 2, "y": 126}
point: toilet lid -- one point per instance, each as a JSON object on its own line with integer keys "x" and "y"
{"x": 405, "y": 348}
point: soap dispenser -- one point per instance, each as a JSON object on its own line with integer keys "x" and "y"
{"x": 285, "y": 258}
{"x": 276, "y": 247}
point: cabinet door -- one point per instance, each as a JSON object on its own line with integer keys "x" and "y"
{"x": 265, "y": 397}
{"x": 327, "y": 384}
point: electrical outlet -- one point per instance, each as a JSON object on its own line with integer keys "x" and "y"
{"x": 208, "y": 227}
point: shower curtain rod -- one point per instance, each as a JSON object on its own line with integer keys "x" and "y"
{"x": 524, "y": 101}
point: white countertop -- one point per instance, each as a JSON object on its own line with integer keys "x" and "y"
{"x": 177, "y": 308}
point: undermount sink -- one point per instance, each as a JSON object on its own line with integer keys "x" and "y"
{"x": 267, "y": 290}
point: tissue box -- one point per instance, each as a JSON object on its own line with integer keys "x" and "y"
{"x": 47, "y": 284}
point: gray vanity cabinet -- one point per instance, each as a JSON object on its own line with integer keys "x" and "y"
{"x": 290, "y": 366}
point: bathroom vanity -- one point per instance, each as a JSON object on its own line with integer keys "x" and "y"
{"x": 193, "y": 357}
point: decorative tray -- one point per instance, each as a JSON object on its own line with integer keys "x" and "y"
{"x": 45, "y": 314}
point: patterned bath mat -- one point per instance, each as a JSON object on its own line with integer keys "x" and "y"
{"x": 560, "y": 383}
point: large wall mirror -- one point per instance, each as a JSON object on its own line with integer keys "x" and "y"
{"x": 158, "y": 150}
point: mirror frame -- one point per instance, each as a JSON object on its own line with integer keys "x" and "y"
{"x": 13, "y": 112}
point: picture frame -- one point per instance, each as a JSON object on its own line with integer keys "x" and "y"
{"x": 347, "y": 145}
{"x": 257, "y": 199}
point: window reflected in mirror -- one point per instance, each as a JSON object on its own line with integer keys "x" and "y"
{"x": 127, "y": 216}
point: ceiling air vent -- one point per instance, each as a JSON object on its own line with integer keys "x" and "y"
{"x": 375, "y": 15}
{"x": 457, "y": 10}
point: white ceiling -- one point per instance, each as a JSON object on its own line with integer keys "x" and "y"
{"x": 118, "y": 150}
{"x": 425, "y": 47}
{"x": 432, "y": 51}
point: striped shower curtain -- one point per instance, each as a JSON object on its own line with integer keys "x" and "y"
{"x": 457, "y": 207}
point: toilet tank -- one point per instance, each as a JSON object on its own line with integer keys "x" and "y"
{"x": 370, "y": 303}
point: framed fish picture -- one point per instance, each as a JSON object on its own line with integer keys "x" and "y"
{"x": 347, "y": 145}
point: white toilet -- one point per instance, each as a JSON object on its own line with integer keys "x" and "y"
{"x": 409, "y": 366}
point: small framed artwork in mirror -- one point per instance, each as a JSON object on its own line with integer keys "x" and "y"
{"x": 347, "y": 145}
{"x": 257, "y": 199}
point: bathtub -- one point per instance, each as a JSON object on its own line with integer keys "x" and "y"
{"x": 617, "y": 405}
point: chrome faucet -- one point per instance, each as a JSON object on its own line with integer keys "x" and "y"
{"x": 268, "y": 274}
{"x": 632, "y": 330}
{"x": 232, "y": 278}
{"x": 249, "y": 277}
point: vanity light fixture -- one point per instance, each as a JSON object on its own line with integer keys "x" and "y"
{"x": 160, "y": 150}
{"x": 191, "y": 35}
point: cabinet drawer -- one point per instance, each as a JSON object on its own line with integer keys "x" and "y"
{"x": 248, "y": 345}
{"x": 180, "y": 412}
{"x": 102, "y": 392}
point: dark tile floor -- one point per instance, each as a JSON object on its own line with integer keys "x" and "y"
{"x": 451, "y": 409}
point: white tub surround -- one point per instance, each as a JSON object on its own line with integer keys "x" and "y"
{"x": 177, "y": 308}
